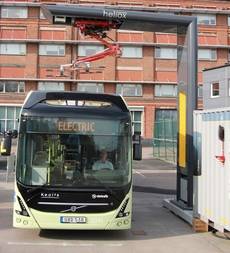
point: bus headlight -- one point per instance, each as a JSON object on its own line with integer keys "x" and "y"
{"x": 23, "y": 211}
{"x": 122, "y": 212}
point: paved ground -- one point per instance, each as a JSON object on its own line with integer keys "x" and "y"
{"x": 154, "y": 229}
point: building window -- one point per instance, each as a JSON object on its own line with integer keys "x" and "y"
{"x": 42, "y": 15}
{"x": 129, "y": 90}
{"x": 13, "y": 48}
{"x": 165, "y": 53}
{"x": 52, "y": 50}
{"x": 137, "y": 119}
{"x": 14, "y": 12}
{"x": 51, "y": 86}
{"x": 206, "y": 19}
{"x": 165, "y": 90}
{"x": 215, "y": 90}
{"x": 229, "y": 87}
{"x": 200, "y": 91}
{"x": 90, "y": 87}
{"x": 8, "y": 117}
{"x": 10, "y": 86}
{"x": 207, "y": 54}
{"x": 86, "y": 50}
{"x": 132, "y": 52}
{"x": 228, "y": 20}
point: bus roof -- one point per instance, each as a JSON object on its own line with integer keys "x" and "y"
{"x": 35, "y": 98}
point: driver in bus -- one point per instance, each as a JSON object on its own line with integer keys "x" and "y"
{"x": 103, "y": 163}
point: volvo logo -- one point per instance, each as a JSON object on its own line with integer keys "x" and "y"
{"x": 99, "y": 196}
{"x": 73, "y": 208}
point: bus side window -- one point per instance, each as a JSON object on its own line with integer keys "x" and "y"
{"x": 40, "y": 158}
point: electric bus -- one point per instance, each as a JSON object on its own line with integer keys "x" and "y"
{"x": 74, "y": 162}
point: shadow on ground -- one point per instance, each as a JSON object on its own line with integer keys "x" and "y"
{"x": 150, "y": 221}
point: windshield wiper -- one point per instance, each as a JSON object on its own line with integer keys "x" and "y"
{"x": 36, "y": 188}
{"x": 40, "y": 187}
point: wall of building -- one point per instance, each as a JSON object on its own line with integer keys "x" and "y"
{"x": 216, "y": 87}
{"x": 147, "y": 69}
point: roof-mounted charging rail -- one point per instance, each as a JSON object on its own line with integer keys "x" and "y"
{"x": 98, "y": 30}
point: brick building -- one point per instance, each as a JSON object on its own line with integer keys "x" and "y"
{"x": 31, "y": 51}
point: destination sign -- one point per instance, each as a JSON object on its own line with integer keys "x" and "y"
{"x": 83, "y": 126}
{"x": 76, "y": 126}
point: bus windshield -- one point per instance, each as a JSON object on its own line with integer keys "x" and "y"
{"x": 74, "y": 159}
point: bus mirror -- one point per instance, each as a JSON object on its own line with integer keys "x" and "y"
{"x": 14, "y": 133}
{"x": 6, "y": 145}
{"x": 137, "y": 146}
{"x": 221, "y": 133}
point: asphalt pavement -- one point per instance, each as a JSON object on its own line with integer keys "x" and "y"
{"x": 154, "y": 228}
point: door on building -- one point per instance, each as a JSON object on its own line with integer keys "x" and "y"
{"x": 137, "y": 114}
{"x": 165, "y": 134}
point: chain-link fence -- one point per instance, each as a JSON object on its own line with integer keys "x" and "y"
{"x": 165, "y": 140}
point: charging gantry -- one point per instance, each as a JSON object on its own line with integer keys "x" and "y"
{"x": 97, "y": 21}
{"x": 98, "y": 30}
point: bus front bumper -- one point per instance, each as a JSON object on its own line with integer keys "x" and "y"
{"x": 93, "y": 221}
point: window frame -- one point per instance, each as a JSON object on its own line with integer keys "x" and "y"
{"x": 97, "y": 85}
{"x": 15, "y": 8}
{"x": 18, "y": 88}
{"x": 99, "y": 49}
{"x": 22, "y": 52}
{"x": 127, "y": 84}
{"x": 50, "y": 55}
{"x": 165, "y": 96}
{"x": 229, "y": 87}
{"x": 168, "y": 58}
{"x": 53, "y": 83}
{"x": 205, "y": 15}
{"x": 207, "y": 59}
{"x": 215, "y": 96}
{"x": 6, "y": 119}
{"x": 137, "y": 56}
{"x": 134, "y": 109}
{"x": 200, "y": 90}
{"x": 41, "y": 15}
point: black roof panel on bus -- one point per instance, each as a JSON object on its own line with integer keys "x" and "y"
{"x": 40, "y": 97}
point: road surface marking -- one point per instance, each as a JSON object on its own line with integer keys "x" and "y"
{"x": 114, "y": 244}
{"x": 155, "y": 171}
{"x": 64, "y": 244}
{"x": 6, "y": 205}
{"x": 139, "y": 173}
